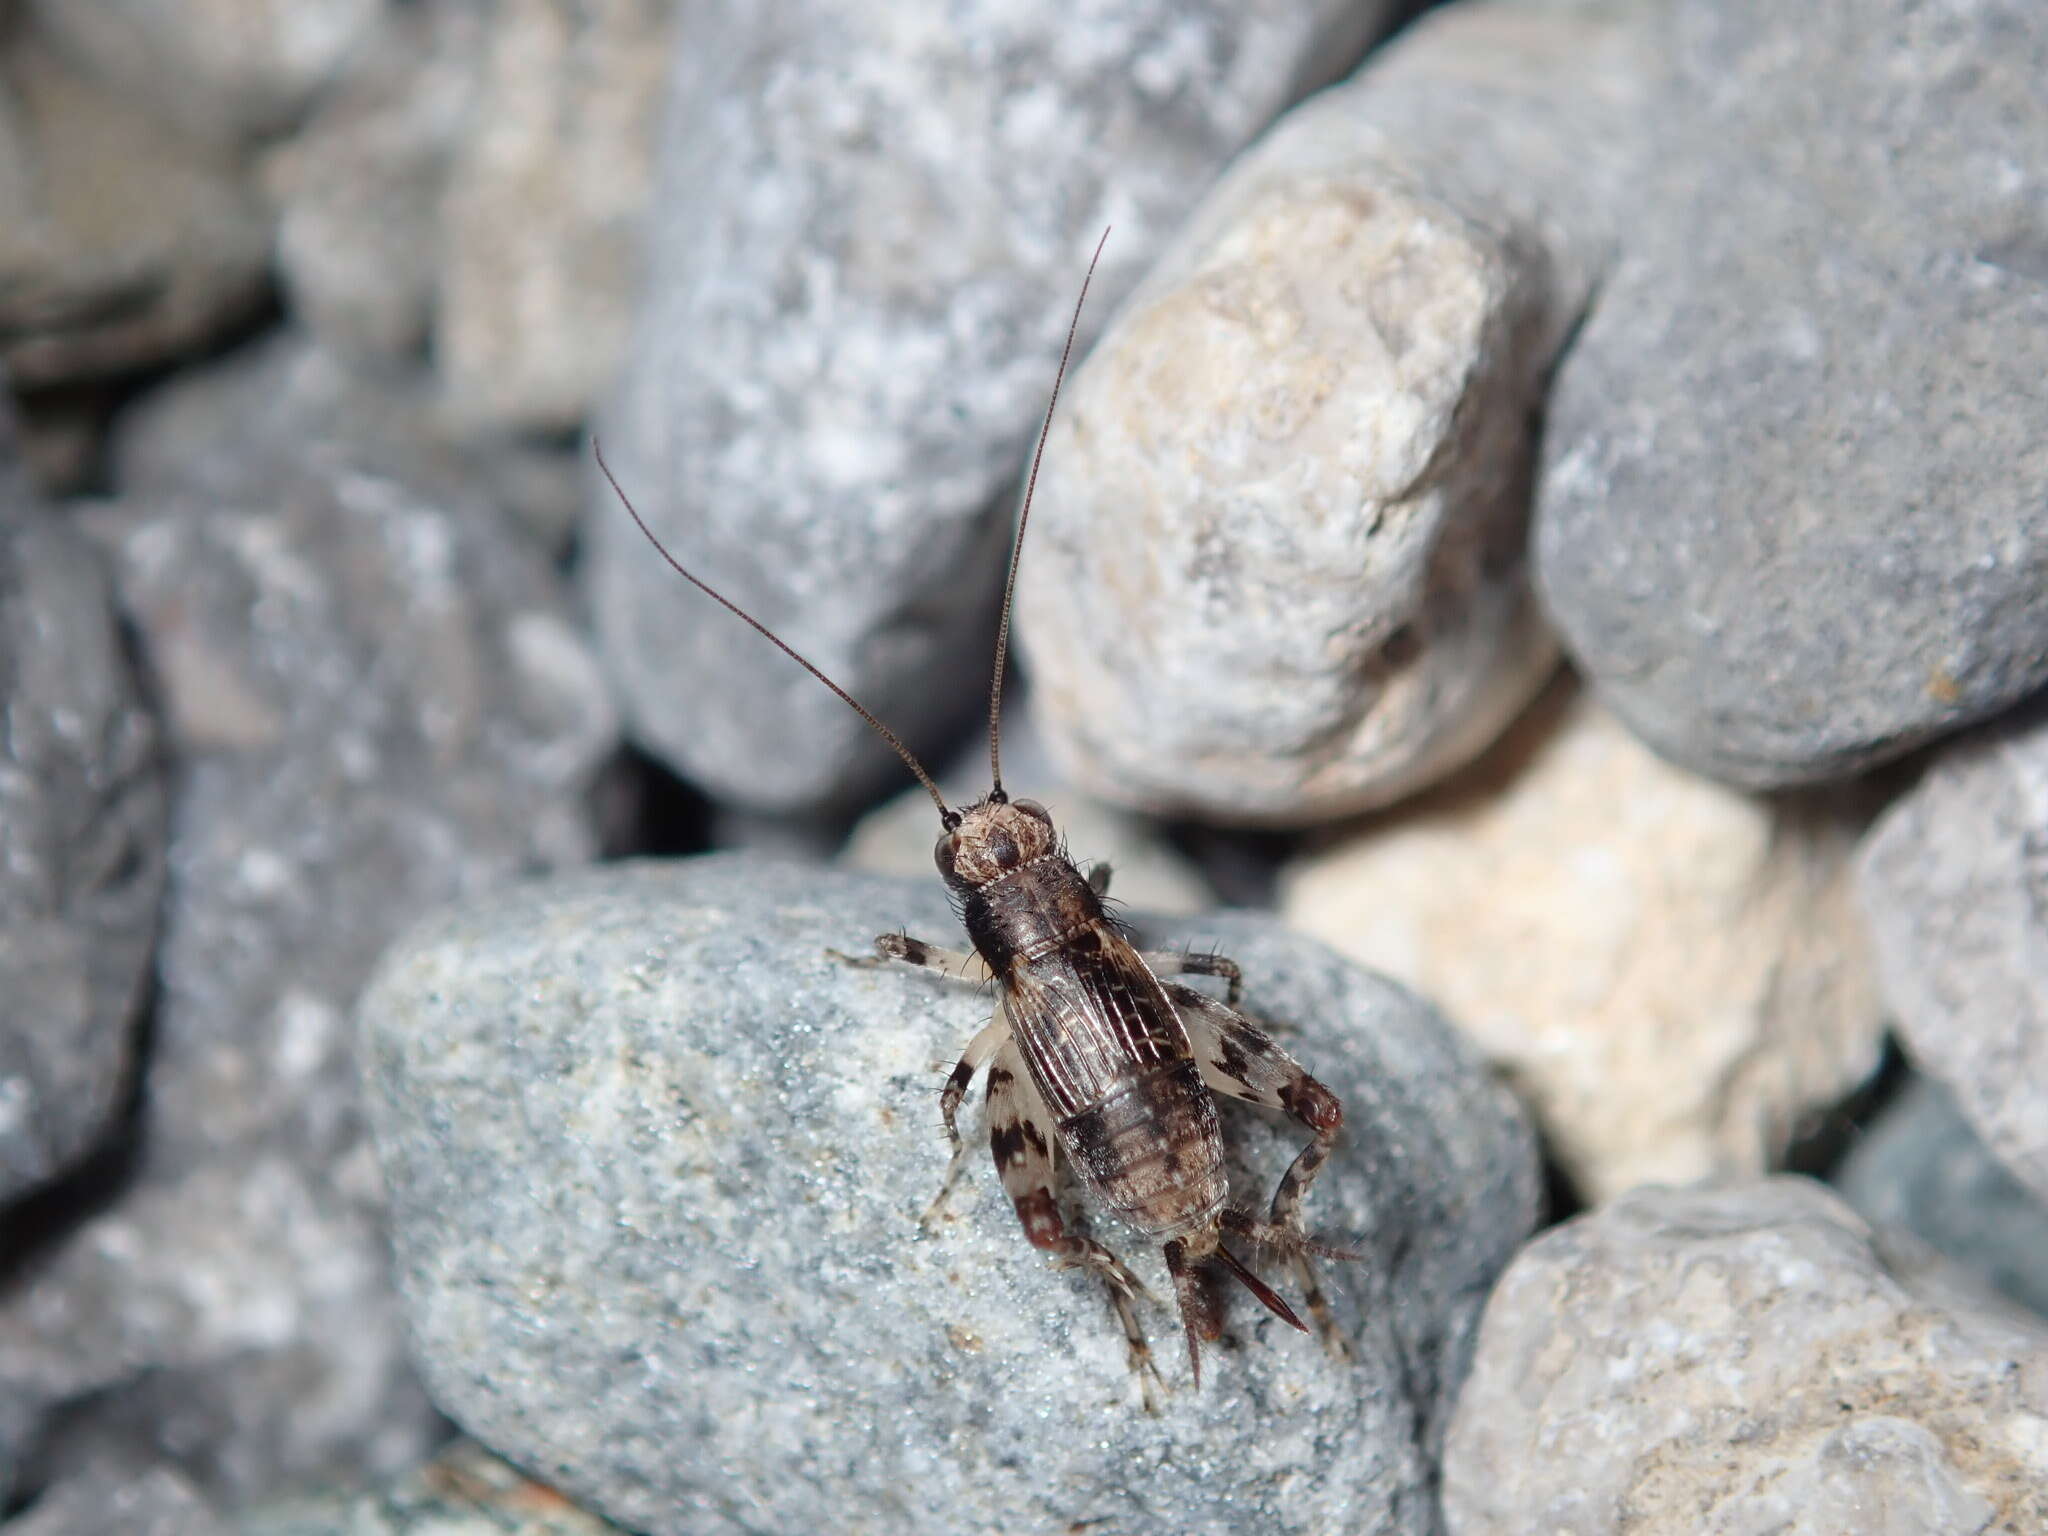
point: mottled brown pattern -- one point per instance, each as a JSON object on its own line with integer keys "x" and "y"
{"x": 1093, "y": 1055}
{"x": 1154, "y": 1152}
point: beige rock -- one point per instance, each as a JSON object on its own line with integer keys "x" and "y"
{"x": 546, "y": 206}
{"x": 122, "y": 243}
{"x": 223, "y": 70}
{"x": 1745, "y": 1360}
{"x": 1671, "y": 971}
{"x": 359, "y": 189}
{"x": 1279, "y": 572}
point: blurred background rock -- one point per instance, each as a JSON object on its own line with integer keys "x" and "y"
{"x": 1552, "y": 501}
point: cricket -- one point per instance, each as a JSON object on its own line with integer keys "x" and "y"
{"x": 1092, "y": 1055}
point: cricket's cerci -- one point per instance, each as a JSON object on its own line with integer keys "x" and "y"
{"x": 1091, "y": 1055}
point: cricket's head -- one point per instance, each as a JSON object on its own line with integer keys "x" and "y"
{"x": 992, "y": 838}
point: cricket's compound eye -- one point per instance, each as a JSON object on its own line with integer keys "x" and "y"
{"x": 944, "y": 851}
{"x": 1033, "y": 809}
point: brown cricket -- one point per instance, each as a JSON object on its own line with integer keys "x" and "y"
{"x": 1089, "y": 1052}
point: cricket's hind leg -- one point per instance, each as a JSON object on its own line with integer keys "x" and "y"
{"x": 1020, "y": 1137}
{"x": 1239, "y": 1059}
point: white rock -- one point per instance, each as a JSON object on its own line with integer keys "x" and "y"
{"x": 1670, "y": 970}
{"x": 1740, "y": 1361}
{"x": 1279, "y": 570}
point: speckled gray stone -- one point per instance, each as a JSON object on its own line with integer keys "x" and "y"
{"x": 1954, "y": 882}
{"x": 1794, "y": 511}
{"x": 1921, "y": 1168}
{"x": 378, "y": 704}
{"x": 1745, "y": 1359}
{"x": 657, "y": 1158}
{"x": 1278, "y": 567}
{"x": 82, "y": 830}
{"x": 464, "y": 1491}
{"x": 870, "y": 232}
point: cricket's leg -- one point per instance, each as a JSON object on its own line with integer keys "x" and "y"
{"x": 1240, "y": 1059}
{"x": 959, "y": 964}
{"x": 1198, "y": 962}
{"x": 1021, "y": 1139}
{"x": 992, "y": 1037}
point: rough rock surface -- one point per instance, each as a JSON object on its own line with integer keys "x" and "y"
{"x": 378, "y": 705}
{"x": 464, "y": 1491}
{"x": 1724, "y": 1361}
{"x": 871, "y": 227}
{"x": 657, "y": 1157}
{"x": 1279, "y": 572}
{"x": 1672, "y": 972}
{"x": 121, "y": 244}
{"x": 1922, "y": 1170}
{"x": 1794, "y": 510}
{"x": 1954, "y": 880}
{"x": 82, "y": 828}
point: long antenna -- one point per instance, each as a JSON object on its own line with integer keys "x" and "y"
{"x": 995, "y": 687}
{"x": 950, "y": 817}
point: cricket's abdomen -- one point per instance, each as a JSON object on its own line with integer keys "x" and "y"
{"x": 1153, "y": 1153}
{"x": 1104, "y": 1047}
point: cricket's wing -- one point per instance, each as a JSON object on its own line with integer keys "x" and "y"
{"x": 1091, "y": 1020}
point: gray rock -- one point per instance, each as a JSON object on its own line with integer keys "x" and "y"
{"x": 871, "y": 228}
{"x": 657, "y": 1159}
{"x": 223, "y": 70}
{"x": 545, "y": 216}
{"x": 1922, "y": 1169}
{"x": 1279, "y": 573}
{"x": 378, "y": 705}
{"x": 121, "y": 243}
{"x": 251, "y": 412}
{"x": 1749, "y": 1358}
{"x": 1794, "y": 510}
{"x": 82, "y": 828}
{"x": 358, "y": 191}
{"x": 155, "y": 1501}
{"x": 1954, "y": 881}
{"x": 464, "y": 1491}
